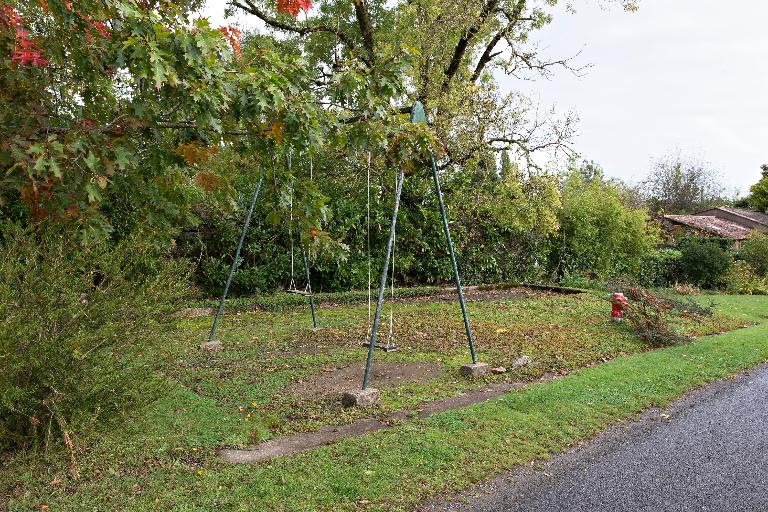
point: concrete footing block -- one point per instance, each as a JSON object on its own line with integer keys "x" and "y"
{"x": 475, "y": 370}
{"x": 211, "y": 346}
{"x": 360, "y": 398}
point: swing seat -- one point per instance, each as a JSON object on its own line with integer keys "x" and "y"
{"x": 380, "y": 346}
{"x": 303, "y": 293}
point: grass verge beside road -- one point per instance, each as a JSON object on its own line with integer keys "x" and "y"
{"x": 398, "y": 468}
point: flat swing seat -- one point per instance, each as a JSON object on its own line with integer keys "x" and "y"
{"x": 303, "y": 293}
{"x": 380, "y": 346}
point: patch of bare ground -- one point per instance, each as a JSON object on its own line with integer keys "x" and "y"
{"x": 333, "y": 381}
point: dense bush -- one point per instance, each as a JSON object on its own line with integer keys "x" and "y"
{"x": 742, "y": 279}
{"x": 754, "y": 251}
{"x": 598, "y": 233}
{"x": 660, "y": 267}
{"x": 75, "y": 324}
{"x": 704, "y": 262}
{"x": 500, "y": 228}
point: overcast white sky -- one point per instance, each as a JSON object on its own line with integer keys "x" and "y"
{"x": 687, "y": 75}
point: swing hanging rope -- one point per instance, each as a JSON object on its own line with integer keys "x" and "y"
{"x": 390, "y": 338}
{"x": 292, "y": 284}
{"x": 389, "y": 346}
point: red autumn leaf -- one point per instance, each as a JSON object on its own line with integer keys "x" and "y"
{"x": 232, "y": 35}
{"x": 25, "y": 49}
{"x": 293, "y": 7}
{"x": 208, "y": 181}
{"x": 97, "y": 26}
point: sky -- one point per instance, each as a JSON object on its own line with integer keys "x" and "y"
{"x": 677, "y": 76}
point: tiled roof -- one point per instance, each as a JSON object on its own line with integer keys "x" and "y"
{"x": 752, "y": 215}
{"x": 712, "y": 225}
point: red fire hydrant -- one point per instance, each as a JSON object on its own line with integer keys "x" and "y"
{"x": 618, "y": 303}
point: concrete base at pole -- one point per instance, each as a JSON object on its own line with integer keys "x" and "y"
{"x": 360, "y": 398}
{"x": 211, "y": 346}
{"x": 475, "y": 370}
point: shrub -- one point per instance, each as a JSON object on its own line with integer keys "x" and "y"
{"x": 704, "y": 262}
{"x": 75, "y": 325}
{"x": 660, "y": 267}
{"x": 598, "y": 233}
{"x": 743, "y": 280}
{"x": 755, "y": 252}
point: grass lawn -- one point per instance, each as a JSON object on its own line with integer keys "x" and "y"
{"x": 268, "y": 382}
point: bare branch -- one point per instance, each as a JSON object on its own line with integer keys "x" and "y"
{"x": 513, "y": 18}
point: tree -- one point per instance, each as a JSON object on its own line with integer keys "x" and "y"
{"x": 754, "y": 251}
{"x": 758, "y": 198}
{"x": 458, "y": 45}
{"x": 598, "y": 234}
{"x": 679, "y": 185}
{"x": 113, "y": 108}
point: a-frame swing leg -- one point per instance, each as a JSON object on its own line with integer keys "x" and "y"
{"x": 309, "y": 289}
{"x": 475, "y": 369}
{"x": 383, "y": 282}
{"x": 215, "y": 345}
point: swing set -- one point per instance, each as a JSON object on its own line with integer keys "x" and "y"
{"x": 366, "y": 395}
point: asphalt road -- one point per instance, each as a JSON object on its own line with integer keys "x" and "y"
{"x": 708, "y": 451}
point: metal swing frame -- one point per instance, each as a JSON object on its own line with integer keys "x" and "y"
{"x": 417, "y": 115}
{"x": 236, "y": 259}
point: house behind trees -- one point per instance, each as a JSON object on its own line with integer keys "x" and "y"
{"x": 725, "y": 222}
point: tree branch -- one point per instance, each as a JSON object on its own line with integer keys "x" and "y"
{"x": 463, "y": 44}
{"x": 488, "y": 55}
{"x": 250, "y": 7}
{"x": 366, "y": 28}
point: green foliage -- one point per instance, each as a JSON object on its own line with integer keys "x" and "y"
{"x": 598, "y": 234}
{"x": 704, "y": 262}
{"x": 754, "y": 251}
{"x": 581, "y": 281}
{"x": 500, "y": 228}
{"x": 743, "y": 280}
{"x": 144, "y": 94}
{"x": 76, "y": 323}
{"x": 660, "y": 267}
{"x": 758, "y": 198}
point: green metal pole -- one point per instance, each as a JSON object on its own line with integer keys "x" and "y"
{"x": 383, "y": 282}
{"x": 456, "y": 277}
{"x": 236, "y": 259}
{"x": 309, "y": 289}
